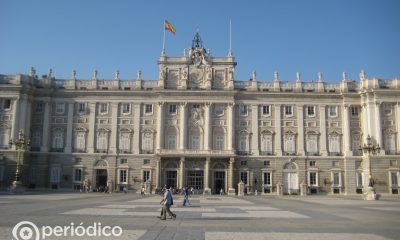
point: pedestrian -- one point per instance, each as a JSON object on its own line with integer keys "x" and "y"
{"x": 125, "y": 191}
{"x": 221, "y": 192}
{"x": 166, "y": 202}
{"x": 186, "y": 196}
{"x": 142, "y": 192}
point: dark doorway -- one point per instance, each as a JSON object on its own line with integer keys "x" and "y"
{"x": 219, "y": 181}
{"x": 101, "y": 178}
{"x": 171, "y": 178}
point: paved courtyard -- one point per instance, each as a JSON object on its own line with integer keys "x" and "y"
{"x": 208, "y": 217}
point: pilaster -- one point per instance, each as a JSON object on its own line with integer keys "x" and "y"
{"x": 45, "y": 130}
{"x": 231, "y": 189}
{"x": 68, "y": 145}
{"x": 114, "y": 128}
{"x": 231, "y": 125}
{"x": 346, "y": 130}
{"x": 398, "y": 125}
{"x": 14, "y": 127}
{"x": 207, "y": 189}
{"x": 160, "y": 126}
{"x": 378, "y": 124}
{"x": 181, "y": 173}
{"x": 278, "y": 130}
{"x": 322, "y": 114}
{"x": 136, "y": 128}
{"x": 254, "y": 130}
{"x": 183, "y": 126}
{"x": 92, "y": 126}
{"x": 300, "y": 129}
{"x": 207, "y": 126}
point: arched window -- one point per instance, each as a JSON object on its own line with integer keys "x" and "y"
{"x": 102, "y": 139}
{"x": 147, "y": 142}
{"x": 125, "y": 141}
{"x": 218, "y": 139}
{"x": 334, "y": 143}
{"x": 244, "y": 143}
{"x": 80, "y": 141}
{"x": 58, "y": 139}
{"x": 290, "y": 143}
{"x": 171, "y": 138}
{"x": 266, "y": 143}
{"x": 195, "y": 139}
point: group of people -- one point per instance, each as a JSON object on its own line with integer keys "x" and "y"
{"x": 167, "y": 200}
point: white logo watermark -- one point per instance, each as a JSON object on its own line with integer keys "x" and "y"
{"x": 26, "y": 230}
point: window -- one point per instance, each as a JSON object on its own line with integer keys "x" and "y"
{"x": 146, "y": 161}
{"x": 60, "y": 108}
{"x": 266, "y": 110}
{"x": 243, "y": 110}
{"x": 172, "y": 109}
{"x": 148, "y": 108}
{"x": 1, "y": 173}
{"x": 359, "y": 180}
{"x": 125, "y": 141}
{"x": 354, "y": 111}
{"x": 334, "y": 143}
{"x": 3, "y": 138}
{"x": 312, "y": 179}
{"x": 195, "y": 142}
{"x": 387, "y": 109}
{"x": 102, "y": 142}
{"x": 55, "y": 175}
{"x": 103, "y": 108}
{"x": 126, "y": 108}
{"x": 123, "y": 161}
{"x": 81, "y": 108}
{"x": 243, "y": 143}
{"x": 336, "y": 179}
{"x": 147, "y": 144}
{"x": 36, "y": 138}
{"x": 312, "y": 144}
{"x": 243, "y": 177}
{"x": 267, "y": 163}
{"x": 266, "y": 144}
{"x": 171, "y": 141}
{"x": 289, "y": 145}
{"x": 393, "y": 163}
{"x": 80, "y": 141}
{"x": 58, "y": 140}
{"x": 196, "y": 106}
{"x": 39, "y": 107}
{"x": 219, "y": 143}
{"x": 7, "y": 104}
{"x": 267, "y": 178}
{"x": 393, "y": 179}
{"x": 123, "y": 176}
{"x": 312, "y": 163}
{"x": 390, "y": 145}
{"x": 333, "y": 111}
{"x": 243, "y": 163}
{"x": 219, "y": 110}
{"x": 311, "y": 111}
{"x": 288, "y": 110}
{"x": 78, "y": 175}
{"x": 355, "y": 145}
{"x": 335, "y": 163}
{"x": 146, "y": 176}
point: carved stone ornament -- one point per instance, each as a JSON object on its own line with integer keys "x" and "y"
{"x": 196, "y": 116}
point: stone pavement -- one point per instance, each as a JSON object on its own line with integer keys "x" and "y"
{"x": 208, "y": 217}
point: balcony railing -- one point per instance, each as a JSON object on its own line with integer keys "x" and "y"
{"x": 335, "y": 154}
{"x": 194, "y": 152}
{"x": 266, "y": 153}
{"x": 243, "y": 152}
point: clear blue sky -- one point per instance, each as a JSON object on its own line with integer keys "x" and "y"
{"x": 285, "y": 36}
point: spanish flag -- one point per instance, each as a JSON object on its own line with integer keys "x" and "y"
{"x": 168, "y": 26}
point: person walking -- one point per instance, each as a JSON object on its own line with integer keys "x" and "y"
{"x": 142, "y": 192}
{"x": 167, "y": 201}
{"x": 186, "y": 196}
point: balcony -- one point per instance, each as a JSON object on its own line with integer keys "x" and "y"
{"x": 147, "y": 152}
{"x": 125, "y": 151}
{"x": 76, "y": 150}
{"x": 289, "y": 153}
{"x": 335, "y": 154}
{"x": 243, "y": 153}
{"x": 101, "y": 151}
{"x": 266, "y": 153}
{"x": 194, "y": 152}
{"x": 312, "y": 154}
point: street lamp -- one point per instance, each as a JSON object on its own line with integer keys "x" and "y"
{"x": 21, "y": 144}
{"x": 369, "y": 149}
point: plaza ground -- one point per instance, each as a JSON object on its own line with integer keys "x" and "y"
{"x": 209, "y": 217}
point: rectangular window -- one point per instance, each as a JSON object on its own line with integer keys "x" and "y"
{"x": 267, "y": 178}
{"x": 7, "y": 104}
{"x": 123, "y": 176}
{"x": 266, "y": 110}
{"x": 313, "y": 179}
{"x": 336, "y": 179}
{"x": 81, "y": 107}
{"x": 219, "y": 110}
{"x": 196, "y": 106}
{"x": 171, "y": 141}
{"x": 312, "y": 163}
{"x": 219, "y": 143}
{"x": 243, "y": 143}
{"x": 103, "y": 108}
{"x": 55, "y": 175}
{"x": 146, "y": 176}
{"x": 146, "y": 161}
{"x": 148, "y": 108}
{"x": 243, "y": 110}
{"x": 39, "y": 107}
{"x": 288, "y": 110}
{"x": 394, "y": 180}
{"x": 126, "y": 108}
{"x": 124, "y": 161}
{"x": 243, "y": 163}
{"x": 359, "y": 179}
{"x": 354, "y": 111}
{"x": 1, "y": 173}
{"x": 60, "y": 108}
{"x": 266, "y": 144}
{"x": 333, "y": 111}
{"x": 243, "y": 177}
{"x": 387, "y": 109}
{"x": 195, "y": 142}
{"x": 267, "y": 163}
{"x": 78, "y": 175}
{"x": 311, "y": 111}
{"x": 172, "y": 109}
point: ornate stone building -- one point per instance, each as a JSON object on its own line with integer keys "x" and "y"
{"x": 197, "y": 125}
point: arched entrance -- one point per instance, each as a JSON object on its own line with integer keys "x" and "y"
{"x": 219, "y": 177}
{"x": 101, "y": 174}
{"x": 290, "y": 179}
{"x": 171, "y": 174}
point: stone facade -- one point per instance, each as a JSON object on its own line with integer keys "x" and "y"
{"x": 197, "y": 125}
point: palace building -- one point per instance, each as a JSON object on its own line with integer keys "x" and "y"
{"x": 199, "y": 126}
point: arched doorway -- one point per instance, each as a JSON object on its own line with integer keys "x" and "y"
{"x": 101, "y": 174}
{"x": 171, "y": 174}
{"x": 219, "y": 177}
{"x": 290, "y": 179}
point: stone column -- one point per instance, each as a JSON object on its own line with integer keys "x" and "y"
{"x": 346, "y": 130}
{"x": 136, "y": 128}
{"x": 207, "y": 189}
{"x": 183, "y": 126}
{"x": 207, "y": 126}
{"x": 181, "y": 173}
{"x": 278, "y": 130}
{"x": 300, "y": 128}
{"x": 254, "y": 130}
{"x": 231, "y": 189}
{"x": 45, "y": 133}
{"x": 114, "y": 128}
{"x": 160, "y": 126}
{"x": 398, "y": 126}
{"x": 378, "y": 124}
{"x": 231, "y": 125}
{"x": 370, "y": 118}
{"x": 23, "y": 113}
{"x": 68, "y": 145}
{"x": 364, "y": 122}
{"x": 14, "y": 127}
{"x": 92, "y": 126}
{"x": 158, "y": 171}
{"x": 28, "y": 119}
{"x": 322, "y": 119}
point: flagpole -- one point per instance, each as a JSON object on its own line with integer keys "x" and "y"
{"x": 163, "y": 43}
{"x": 230, "y": 38}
